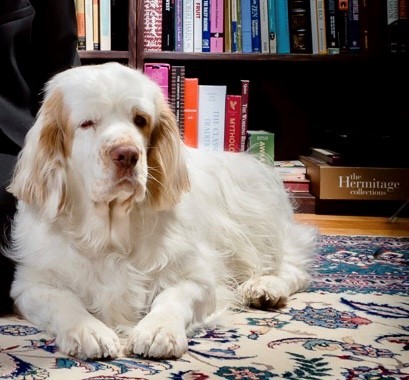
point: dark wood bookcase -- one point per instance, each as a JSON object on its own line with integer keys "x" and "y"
{"x": 356, "y": 103}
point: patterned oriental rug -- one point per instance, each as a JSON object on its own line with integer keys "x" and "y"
{"x": 353, "y": 323}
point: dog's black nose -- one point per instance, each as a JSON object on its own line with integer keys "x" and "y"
{"x": 125, "y": 157}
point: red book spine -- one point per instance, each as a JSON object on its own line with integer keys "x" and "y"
{"x": 232, "y": 128}
{"x": 245, "y": 86}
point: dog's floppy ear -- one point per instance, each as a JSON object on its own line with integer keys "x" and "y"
{"x": 40, "y": 174}
{"x": 168, "y": 177}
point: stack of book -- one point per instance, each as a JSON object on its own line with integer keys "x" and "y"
{"x": 294, "y": 175}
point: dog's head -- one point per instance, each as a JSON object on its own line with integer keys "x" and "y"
{"x": 106, "y": 133}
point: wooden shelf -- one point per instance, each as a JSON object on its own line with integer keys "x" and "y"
{"x": 103, "y": 54}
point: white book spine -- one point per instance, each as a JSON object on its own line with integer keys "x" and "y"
{"x": 264, "y": 34}
{"x": 188, "y": 26}
{"x": 89, "y": 28}
{"x": 314, "y": 26}
{"x": 322, "y": 38}
{"x": 105, "y": 24}
{"x": 211, "y": 119}
{"x": 198, "y": 26}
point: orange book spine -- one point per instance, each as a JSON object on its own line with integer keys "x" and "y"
{"x": 191, "y": 111}
{"x": 95, "y": 20}
{"x": 80, "y": 13}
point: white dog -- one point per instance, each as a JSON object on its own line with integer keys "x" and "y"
{"x": 123, "y": 232}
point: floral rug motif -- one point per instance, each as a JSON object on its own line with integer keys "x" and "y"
{"x": 352, "y": 323}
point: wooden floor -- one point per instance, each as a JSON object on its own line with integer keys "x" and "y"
{"x": 356, "y": 225}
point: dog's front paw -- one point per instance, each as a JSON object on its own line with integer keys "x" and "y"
{"x": 89, "y": 340}
{"x": 265, "y": 292}
{"x": 157, "y": 336}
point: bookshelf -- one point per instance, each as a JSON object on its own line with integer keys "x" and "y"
{"x": 305, "y": 99}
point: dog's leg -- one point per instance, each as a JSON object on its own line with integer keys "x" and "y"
{"x": 60, "y": 312}
{"x": 162, "y": 332}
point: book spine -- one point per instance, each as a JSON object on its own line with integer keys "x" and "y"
{"x": 177, "y": 96}
{"x": 314, "y": 26}
{"x": 354, "y": 33}
{"x": 328, "y": 156}
{"x": 264, "y": 36}
{"x": 322, "y": 33}
{"x": 89, "y": 39}
{"x": 283, "y": 29}
{"x": 342, "y": 22}
{"x": 159, "y": 73}
{"x": 255, "y": 27}
{"x": 179, "y": 25}
{"x": 272, "y": 26}
{"x": 217, "y": 26}
{"x": 191, "y": 112}
{"x": 188, "y": 26}
{"x": 206, "y": 26}
{"x": 168, "y": 25}
{"x": 152, "y": 29}
{"x": 234, "y": 26}
{"x": 239, "y": 31}
{"x": 245, "y": 88}
{"x": 105, "y": 24}
{"x": 403, "y": 27}
{"x": 232, "y": 130}
{"x": 392, "y": 17}
{"x": 246, "y": 26}
{"x": 119, "y": 24}
{"x": 300, "y": 26}
{"x": 80, "y": 15}
{"x": 212, "y": 109}
{"x": 95, "y": 24}
{"x": 228, "y": 27}
{"x": 331, "y": 26}
{"x": 197, "y": 26}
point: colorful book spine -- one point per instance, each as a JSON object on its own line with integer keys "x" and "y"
{"x": 228, "y": 31}
{"x": 206, "y": 26}
{"x": 168, "y": 25}
{"x": 105, "y": 24}
{"x": 217, "y": 26}
{"x": 95, "y": 24}
{"x": 234, "y": 26}
{"x": 80, "y": 14}
{"x": 188, "y": 26}
{"x": 159, "y": 73}
{"x": 255, "y": 26}
{"x": 212, "y": 109}
{"x": 197, "y": 26}
{"x": 272, "y": 26}
{"x": 232, "y": 130}
{"x": 179, "y": 25}
{"x": 152, "y": 32}
{"x": 246, "y": 26}
{"x": 264, "y": 36}
{"x": 177, "y": 96}
{"x": 261, "y": 145}
{"x": 191, "y": 112}
{"x": 283, "y": 29}
{"x": 245, "y": 88}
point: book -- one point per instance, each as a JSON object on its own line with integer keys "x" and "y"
{"x": 272, "y": 26}
{"x": 212, "y": 109}
{"x": 177, "y": 96}
{"x": 228, "y": 27}
{"x": 188, "y": 26}
{"x": 261, "y": 144}
{"x": 89, "y": 26}
{"x": 105, "y": 24}
{"x": 322, "y": 33}
{"x": 403, "y": 27}
{"x": 342, "y": 23}
{"x": 331, "y": 26}
{"x": 354, "y": 33}
{"x": 152, "y": 25}
{"x": 206, "y": 26}
{"x": 354, "y": 182}
{"x": 80, "y": 15}
{"x": 217, "y": 26}
{"x": 197, "y": 26}
{"x": 314, "y": 26}
{"x": 236, "y": 26}
{"x": 159, "y": 73}
{"x": 300, "y": 26}
{"x": 255, "y": 26}
{"x": 245, "y": 89}
{"x": 283, "y": 28}
{"x": 327, "y": 155}
{"x": 168, "y": 25}
{"x": 179, "y": 25}
{"x": 264, "y": 34}
{"x": 246, "y": 25}
{"x": 289, "y": 167}
{"x": 119, "y": 24}
{"x": 95, "y": 24}
{"x": 301, "y": 186}
{"x": 392, "y": 19}
{"x": 232, "y": 128}
{"x": 191, "y": 111}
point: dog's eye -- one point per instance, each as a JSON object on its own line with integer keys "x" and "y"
{"x": 139, "y": 121}
{"x": 87, "y": 124}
